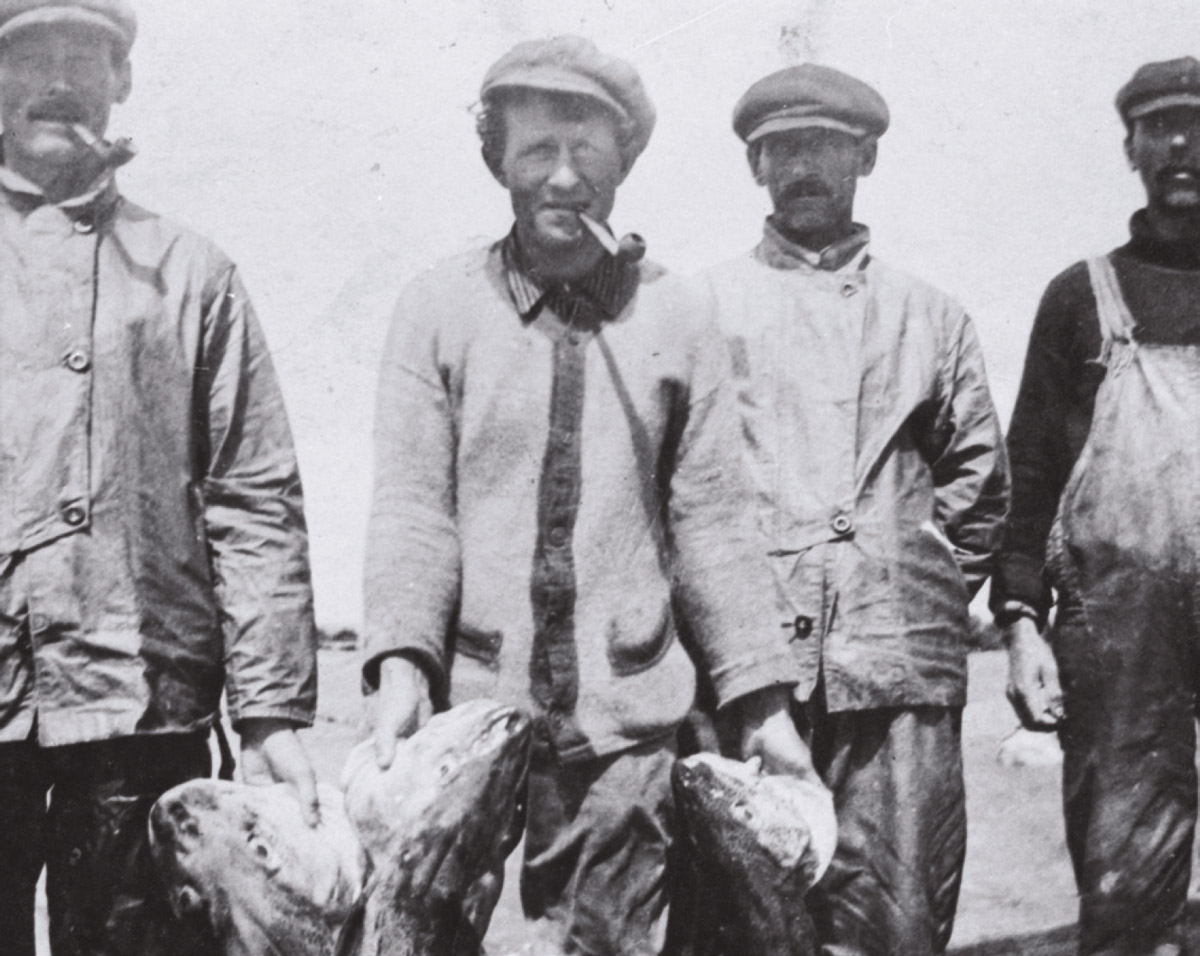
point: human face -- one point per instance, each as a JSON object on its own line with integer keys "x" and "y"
{"x": 811, "y": 174}
{"x": 51, "y": 78}
{"x": 561, "y": 157}
{"x": 1164, "y": 148}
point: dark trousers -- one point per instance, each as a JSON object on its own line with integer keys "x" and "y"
{"x": 897, "y": 780}
{"x": 596, "y": 843}
{"x": 1131, "y": 681}
{"x": 91, "y": 836}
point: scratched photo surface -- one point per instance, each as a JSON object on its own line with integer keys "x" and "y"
{"x": 329, "y": 148}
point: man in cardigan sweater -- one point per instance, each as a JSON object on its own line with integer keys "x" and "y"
{"x": 1104, "y": 453}
{"x": 556, "y": 471}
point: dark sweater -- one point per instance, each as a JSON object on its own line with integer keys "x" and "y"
{"x": 1161, "y": 285}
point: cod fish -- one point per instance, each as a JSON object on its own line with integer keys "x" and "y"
{"x": 242, "y": 859}
{"x": 753, "y": 845}
{"x": 395, "y": 867}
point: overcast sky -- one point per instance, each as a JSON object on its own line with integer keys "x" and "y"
{"x": 328, "y": 146}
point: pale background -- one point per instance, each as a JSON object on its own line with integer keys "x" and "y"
{"x": 328, "y": 146}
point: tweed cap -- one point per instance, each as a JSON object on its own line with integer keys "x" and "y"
{"x": 114, "y": 17}
{"x": 809, "y": 95}
{"x": 570, "y": 64}
{"x": 1159, "y": 86}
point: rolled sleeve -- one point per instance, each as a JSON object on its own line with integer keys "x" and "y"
{"x": 254, "y": 519}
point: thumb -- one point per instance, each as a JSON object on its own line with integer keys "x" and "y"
{"x": 385, "y": 743}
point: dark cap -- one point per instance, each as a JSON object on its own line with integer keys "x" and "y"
{"x": 114, "y": 17}
{"x": 809, "y": 95}
{"x": 573, "y": 65}
{"x": 1159, "y": 86}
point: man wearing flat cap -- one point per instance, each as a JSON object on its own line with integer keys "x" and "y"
{"x": 152, "y": 542}
{"x": 881, "y": 483}
{"x": 1105, "y": 527}
{"x": 556, "y": 476}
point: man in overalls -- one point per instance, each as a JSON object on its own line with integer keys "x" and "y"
{"x": 1105, "y": 446}
{"x": 880, "y": 487}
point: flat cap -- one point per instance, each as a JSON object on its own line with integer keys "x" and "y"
{"x": 1159, "y": 86}
{"x": 114, "y": 17}
{"x": 574, "y": 65}
{"x": 809, "y": 95}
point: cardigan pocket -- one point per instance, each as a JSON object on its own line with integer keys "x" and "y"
{"x": 632, "y": 653}
{"x": 483, "y": 647}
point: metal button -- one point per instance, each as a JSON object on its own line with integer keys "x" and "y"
{"x": 84, "y": 225}
{"x": 38, "y": 623}
{"x": 558, "y": 536}
{"x": 841, "y": 524}
{"x": 556, "y": 719}
{"x": 75, "y": 856}
{"x": 803, "y": 625}
{"x": 74, "y": 514}
{"x": 574, "y": 338}
{"x": 78, "y": 360}
{"x": 849, "y": 289}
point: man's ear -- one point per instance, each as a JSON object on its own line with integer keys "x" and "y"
{"x": 124, "y": 80}
{"x": 868, "y": 152}
{"x": 753, "y": 153}
{"x": 1129, "y": 150}
{"x": 495, "y": 169}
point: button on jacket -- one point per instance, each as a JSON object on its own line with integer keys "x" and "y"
{"x": 878, "y": 465}
{"x": 152, "y": 541}
{"x": 544, "y": 473}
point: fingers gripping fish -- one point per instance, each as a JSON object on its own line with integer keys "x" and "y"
{"x": 393, "y": 866}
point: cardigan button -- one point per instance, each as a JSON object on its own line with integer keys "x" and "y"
{"x": 841, "y": 525}
{"x": 78, "y": 361}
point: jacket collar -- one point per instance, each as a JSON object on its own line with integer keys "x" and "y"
{"x": 848, "y": 253}
{"x": 608, "y": 287}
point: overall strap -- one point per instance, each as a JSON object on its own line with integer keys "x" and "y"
{"x": 1116, "y": 321}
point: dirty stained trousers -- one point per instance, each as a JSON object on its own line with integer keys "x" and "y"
{"x": 1123, "y": 556}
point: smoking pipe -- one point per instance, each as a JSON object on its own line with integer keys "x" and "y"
{"x": 630, "y": 248}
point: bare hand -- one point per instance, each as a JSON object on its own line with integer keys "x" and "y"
{"x": 272, "y": 753}
{"x": 399, "y": 708}
{"x": 768, "y": 733}
{"x": 1033, "y": 688}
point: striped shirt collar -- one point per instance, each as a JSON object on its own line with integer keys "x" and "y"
{"x": 848, "y": 253}
{"x": 609, "y": 286}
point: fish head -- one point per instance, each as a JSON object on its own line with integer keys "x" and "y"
{"x": 243, "y": 859}
{"x": 450, "y": 807}
{"x": 742, "y": 819}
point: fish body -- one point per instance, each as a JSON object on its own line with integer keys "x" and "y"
{"x": 243, "y": 859}
{"x": 437, "y": 826}
{"x": 403, "y": 863}
{"x": 755, "y": 844}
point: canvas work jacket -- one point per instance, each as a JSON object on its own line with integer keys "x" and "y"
{"x": 550, "y": 473}
{"x": 876, "y": 453}
{"x": 152, "y": 541}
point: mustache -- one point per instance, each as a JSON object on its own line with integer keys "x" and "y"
{"x": 57, "y": 110}
{"x": 807, "y": 187}
{"x": 1172, "y": 171}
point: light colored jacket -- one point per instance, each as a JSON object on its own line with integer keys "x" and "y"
{"x": 152, "y": 542}
{"x": 880, "y": 473}
{"x": 462, "y": 430}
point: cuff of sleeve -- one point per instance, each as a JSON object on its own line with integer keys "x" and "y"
{"x": 298, "y": 717}
{"x": 746, "y": 674}
{"x": 1020, "y": 579}
{"x": 434, "y": 673}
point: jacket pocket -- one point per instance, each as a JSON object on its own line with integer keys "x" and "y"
{"x": 483, "y": 647}
{"x": 632, "y": 653}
